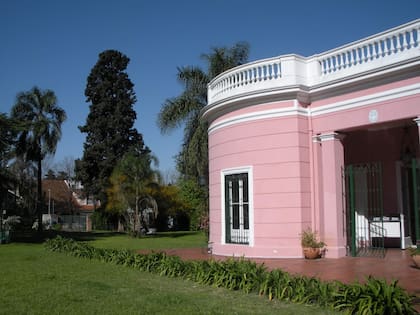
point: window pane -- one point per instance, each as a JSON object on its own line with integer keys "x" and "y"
{"x": 235, "y": 191}
{"x": 235, "y": 215}
{"x": 246, "y": 217}
{"x": 245, "y": 180}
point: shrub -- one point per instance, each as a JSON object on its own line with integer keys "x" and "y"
{"x": 373, "y": 297}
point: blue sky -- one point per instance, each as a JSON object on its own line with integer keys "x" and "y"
{"x": 54, "y": 44}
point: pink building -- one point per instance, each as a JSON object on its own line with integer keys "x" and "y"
{"x": 329, "y": 142}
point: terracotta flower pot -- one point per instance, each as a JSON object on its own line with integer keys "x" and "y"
{"x": 416, "y": 259}
{"x": 312, "y": 253}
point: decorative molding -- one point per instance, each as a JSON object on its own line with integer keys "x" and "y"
{"x": 266, "y": 114}
{"x": 296, "y": 109}
{"x": 330, "y": 136}
{"x": 367, "y": 100}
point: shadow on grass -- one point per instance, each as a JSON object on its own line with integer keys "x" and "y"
{"x": 32, "y": 236}
{"x": 40, "y": 237}
{"x": 173, "y": 234}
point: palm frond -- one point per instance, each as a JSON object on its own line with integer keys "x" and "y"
{"x": 192, "y": 161}
{"x": 175, "y": 111}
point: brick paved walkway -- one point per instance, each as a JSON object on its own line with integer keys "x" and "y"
{"x": 397, "y": 265}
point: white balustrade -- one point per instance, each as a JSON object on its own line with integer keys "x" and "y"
{"x": 380, "y": 46}
{"x": 249, "y": 75}
{"x": 390, "y": 47}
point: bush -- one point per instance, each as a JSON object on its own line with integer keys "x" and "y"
{"x": 373, "y": 297}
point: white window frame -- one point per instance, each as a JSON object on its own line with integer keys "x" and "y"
{"x": 232, "y": 171}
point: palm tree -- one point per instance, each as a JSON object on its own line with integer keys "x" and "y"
{"x": 192, "y": 161}
{"x": 41, "y": 118}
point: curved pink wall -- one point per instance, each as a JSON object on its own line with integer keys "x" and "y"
{"x": 277, "y": 149}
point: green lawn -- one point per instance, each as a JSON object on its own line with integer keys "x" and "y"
{"x": 36, "y": 281}
{"x": 158, "y": 241}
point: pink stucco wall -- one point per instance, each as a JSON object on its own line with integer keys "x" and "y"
{"x": 278, "y": 151}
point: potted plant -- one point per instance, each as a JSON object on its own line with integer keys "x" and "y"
{"x": 415, "y": 255}
{"x": 312, "y": 247}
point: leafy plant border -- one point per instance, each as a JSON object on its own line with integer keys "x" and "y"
{"x": 375, "y": 296}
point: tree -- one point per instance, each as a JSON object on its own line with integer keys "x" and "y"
{"x": 185, "y": 109}
{"x": 24, "y": 174}
{"x": 193, "y": 195}
{"x": 7, "y": 128}
{"x": 131, "y": 183}
{"x": 41, "y": 118}
{"x": 7, "y": 136}
{"x": 192, "y": 161}
{"x": 109, "y": 125}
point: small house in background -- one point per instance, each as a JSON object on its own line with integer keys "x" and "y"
{"x": 66, "y": 205}
{"x": 329, "y": 142}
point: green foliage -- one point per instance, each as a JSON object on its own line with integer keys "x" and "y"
{"x": 195, "y": 200}
{"x": 170, "y": 202}
{"x": 132, "y": 181}
{"x": 7, "y": 136}
{"x": 373, "y": 297}
{"x": 309, "y": 238}
{"x": 414, "y": 251}
{"x": 185, "y": 109}
{"x": 109, "y": 126}
{"x": 41, "y": 119}
{"x": 103, "y": 220}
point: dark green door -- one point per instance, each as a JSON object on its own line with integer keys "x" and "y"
{"x": 364, "y": 209}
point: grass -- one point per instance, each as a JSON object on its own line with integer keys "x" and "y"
{"x": 158, "y": 241}
{"x": 35, "y": 281}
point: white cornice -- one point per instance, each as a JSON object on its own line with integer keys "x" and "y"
{"x": 321, "y": 110}
{"x": 265, "y": 114}
{"x": 367, "y": 100}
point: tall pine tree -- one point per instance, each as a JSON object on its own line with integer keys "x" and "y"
{"x": 109, "y": 125}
